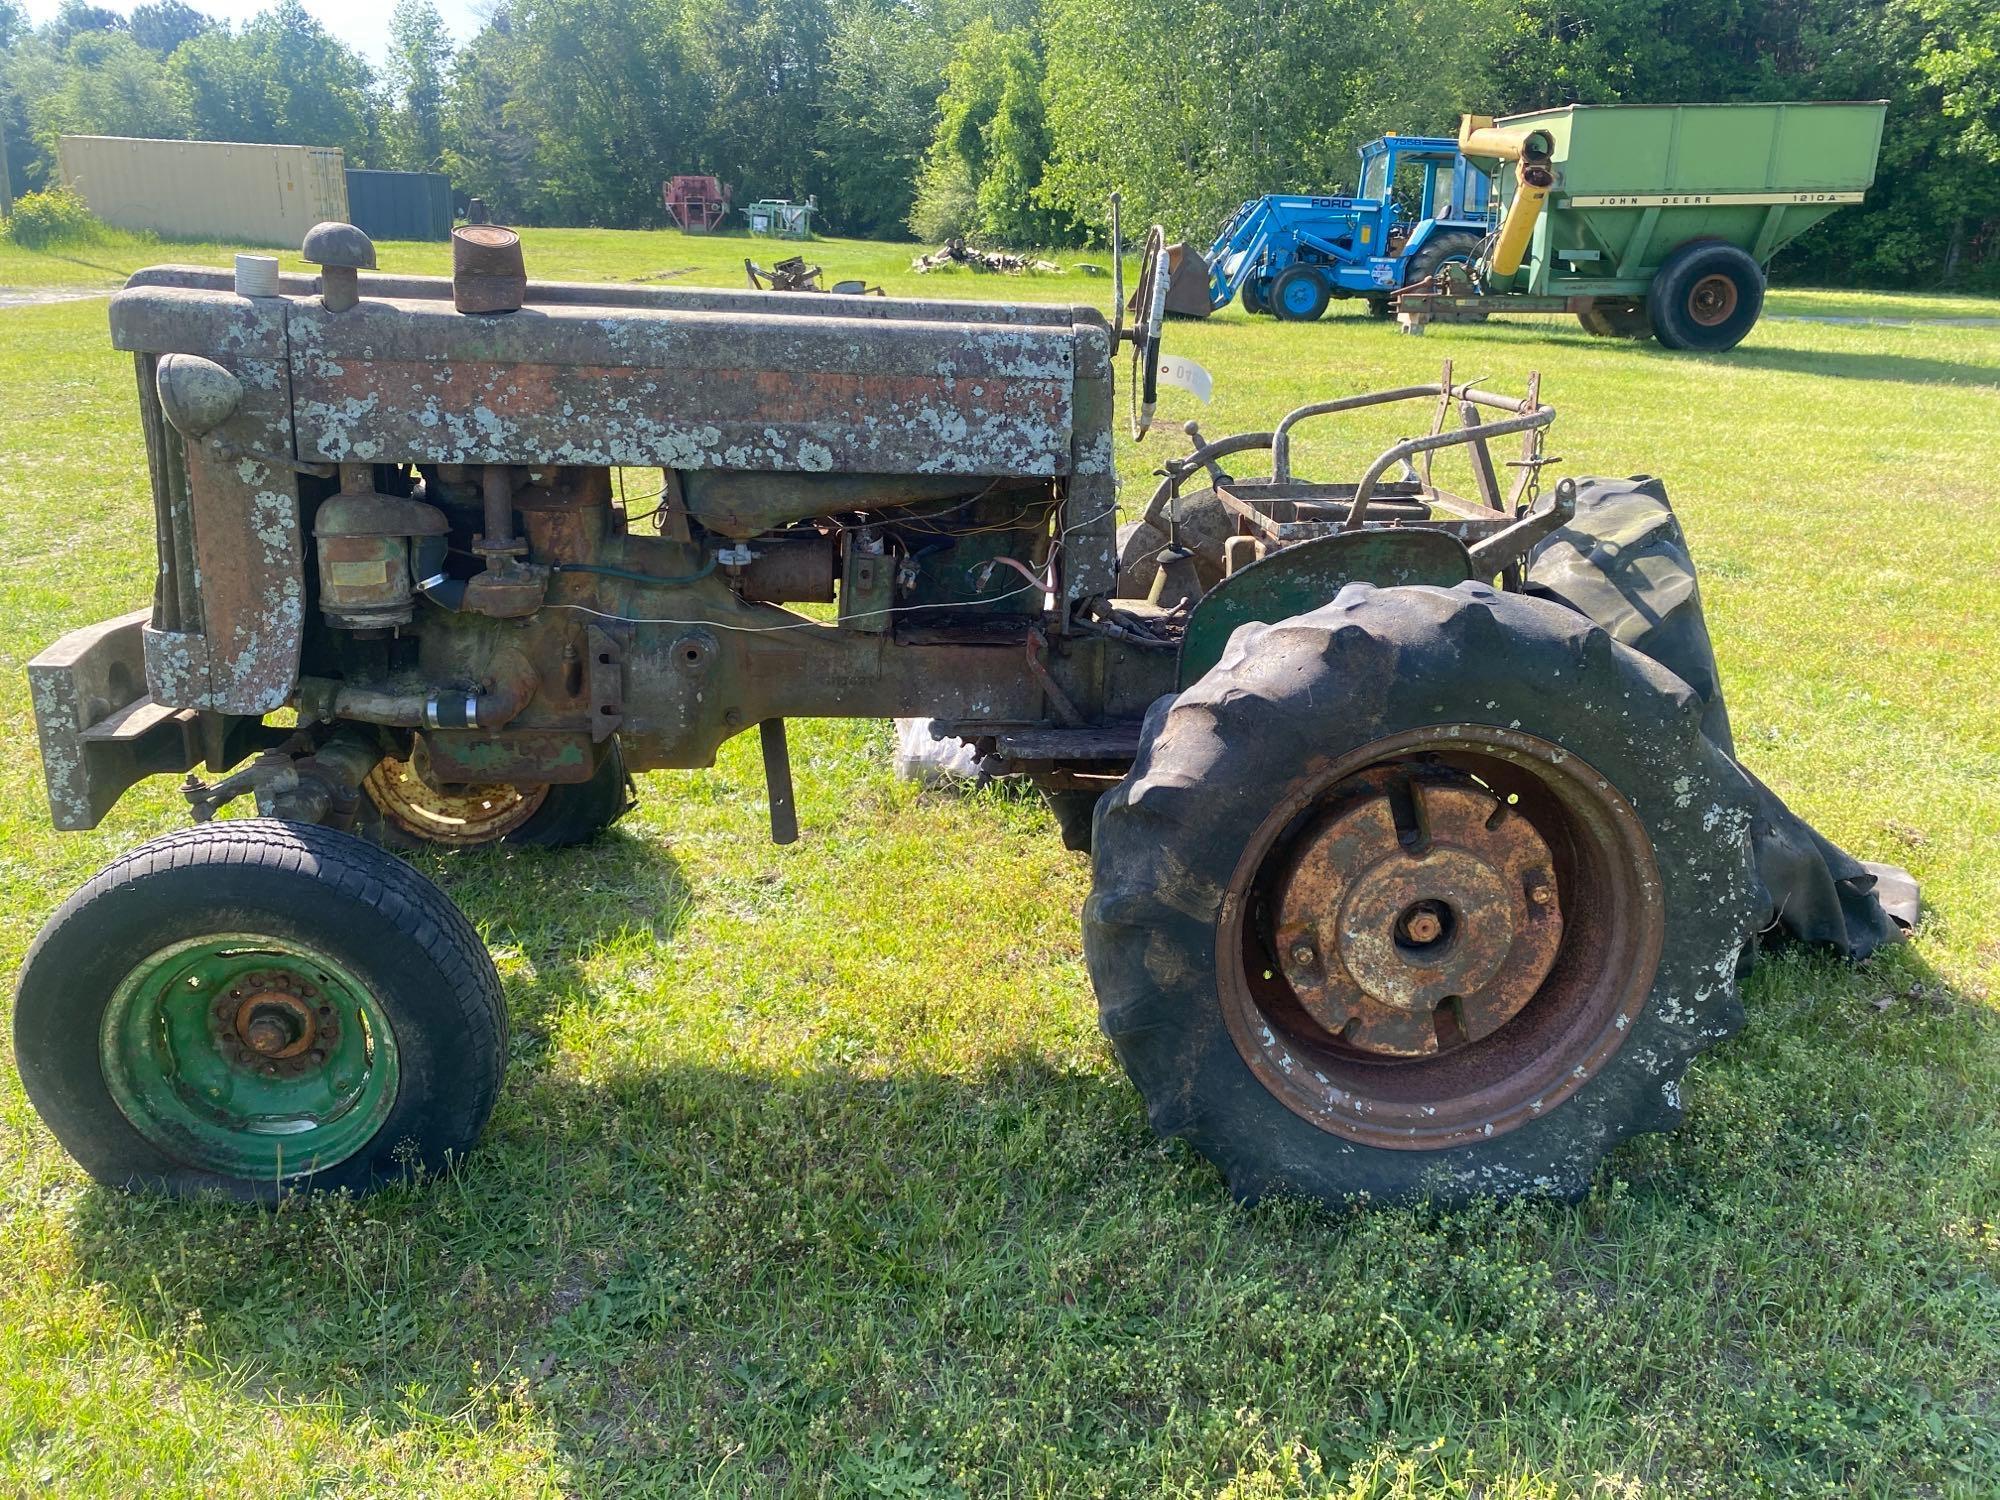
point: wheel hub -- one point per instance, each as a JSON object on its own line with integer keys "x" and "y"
{"x": 1711, "y": 300}
{"x": 274, "y": 1023}
{"x": 248, "y": 1055}
{"x": 1418, "y": 918}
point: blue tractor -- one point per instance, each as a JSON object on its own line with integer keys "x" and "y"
{"x": 1420, "y": 205}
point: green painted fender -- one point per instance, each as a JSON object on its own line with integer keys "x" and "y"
{"x": 1303, "y": 577}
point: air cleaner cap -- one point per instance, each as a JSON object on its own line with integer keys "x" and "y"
{"x": 487, "y": 272}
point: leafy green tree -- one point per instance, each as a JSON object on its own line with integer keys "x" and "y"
{"x": 598, "y": 104}
{"x": 762, "y": 65}
{"x": 983, "y": 173}
{"x": 163, "y": 25}
{"x": 1958, "y": 54}
{"x": 419, "y": 53}
{"x": 487, "y": 150}
{"x": 108, "y": 85}
{"x": 282, "y": 78}
{"x": 886, "y": 61}
{"x": 76, "y": 17}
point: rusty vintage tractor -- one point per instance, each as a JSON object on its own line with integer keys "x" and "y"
{"x": 1423, "y": 864}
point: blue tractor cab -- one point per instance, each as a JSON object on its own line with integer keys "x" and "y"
{"x": 1420, "y": 204}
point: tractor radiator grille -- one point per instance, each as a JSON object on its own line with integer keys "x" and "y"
{"x": 176, "y": 596}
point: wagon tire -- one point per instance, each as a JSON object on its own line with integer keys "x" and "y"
{"x": 398, "y": 810}
{"x": 1706, "y": 298}
{"x": 257, "y": 1007}
{"x": 1616, "y": 320}
{"x": 1244, "y": 783}
{"x": 1299, "y": 295}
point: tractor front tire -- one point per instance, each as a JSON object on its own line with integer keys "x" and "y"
{"x": 257, "y": 1007}
{"x": 1299, "y": 295}
{"x": 1706, "y": 298}
{"x": 1255, "y": 299}
{"x": 1429, "y": 893}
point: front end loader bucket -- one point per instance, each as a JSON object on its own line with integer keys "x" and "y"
{"x": 1187, "y": 290}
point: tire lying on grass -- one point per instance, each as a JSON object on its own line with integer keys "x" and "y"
{"x": 253, "y": 1007}
{"x": 1427, "y": 893}
{"x": 1623, "y": 562}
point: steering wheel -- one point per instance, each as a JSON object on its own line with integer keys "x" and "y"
{"x": 1149, "y": 311}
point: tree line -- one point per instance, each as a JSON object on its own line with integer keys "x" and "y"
{"x": 1011, "y": 121}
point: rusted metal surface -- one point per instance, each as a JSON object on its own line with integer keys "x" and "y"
{"x": 683, "y": 390}
{"x": 275, "y": 1021}
{"x": 514, "y": 757}
{"x": 244, "y": 540}
{"x": 684, "y": 299}
{"x": 1399, "y": 940}
{"x": 1331, "y": 972}
{"x": 99, "y": 731}
{"x": 1712, "y": 300}
{"x": 463, "y": 815}
{"x": 488, "y": 274}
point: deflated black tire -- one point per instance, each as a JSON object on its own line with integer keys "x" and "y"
{"x": 1427, "y": 893}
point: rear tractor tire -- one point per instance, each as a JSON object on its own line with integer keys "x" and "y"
{"x": 401, "y": 809}
{"x": 255, "y": 1007}
{"x": 1438, "y": 251}
{"x": 1429, "y": 893}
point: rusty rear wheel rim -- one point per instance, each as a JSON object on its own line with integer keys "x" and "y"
{"x": 458, "y": 815}
{"x": 1440, "y": 938}
{"x": 1712, "y": 300}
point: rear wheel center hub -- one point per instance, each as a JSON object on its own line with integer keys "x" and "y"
{"x": 1418, "y": 919}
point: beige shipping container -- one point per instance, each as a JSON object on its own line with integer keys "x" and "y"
{"x": 207, "y": 190}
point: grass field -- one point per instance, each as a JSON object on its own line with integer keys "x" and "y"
{"x": 813, "y": 1175}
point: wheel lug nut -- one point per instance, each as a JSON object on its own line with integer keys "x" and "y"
{"x": 1541, "y": 895}
{"x": 1303, "y": 954}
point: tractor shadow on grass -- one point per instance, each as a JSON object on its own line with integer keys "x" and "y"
{"x": 673, "y": 1256}
{"x": 1840, "y": 364}
{"x": 544, "y": 913}
{"x": 1902, "y": 369}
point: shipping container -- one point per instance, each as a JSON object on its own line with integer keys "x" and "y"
{"x": 399, "y": 205}
{"x": 207, "y": 190}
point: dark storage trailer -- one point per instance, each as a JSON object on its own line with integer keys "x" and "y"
{"x": 400, "y": 205}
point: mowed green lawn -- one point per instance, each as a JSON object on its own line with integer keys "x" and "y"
{"x": 813, "y": 1175}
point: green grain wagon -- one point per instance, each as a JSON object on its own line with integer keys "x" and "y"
{"x": 1652, "y": 220}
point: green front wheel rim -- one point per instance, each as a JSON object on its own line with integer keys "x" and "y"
{"x": 249, "y": 1056}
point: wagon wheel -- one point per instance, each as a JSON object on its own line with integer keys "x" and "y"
{"x": 1706, "y": 298}
{"x": 1374, "y": 916}
{"x": 403, "y": 808}
{"x": 256, "y": 1006}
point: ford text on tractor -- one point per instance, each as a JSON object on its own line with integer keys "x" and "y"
{"x": 1422, "y": 861}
